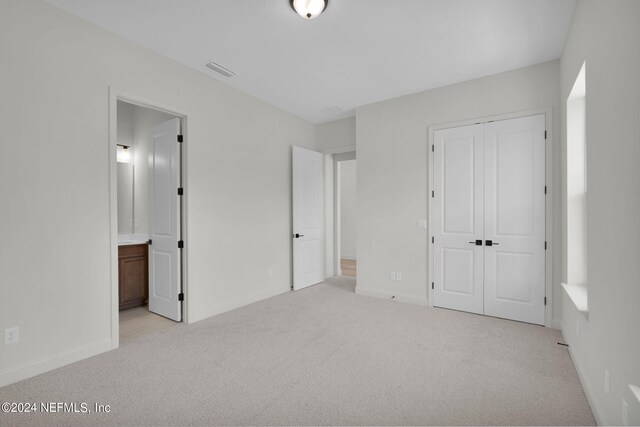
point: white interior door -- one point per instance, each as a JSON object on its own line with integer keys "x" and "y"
{"x": 308, "y": 217}
{"x": 489, "y": 218}
{"x": 515, "y": 219}
{"x": 458, "y": 218}
{"x": 164, "y": 220}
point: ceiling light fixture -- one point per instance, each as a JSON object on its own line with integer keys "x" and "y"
{"x": 309, "y": 9}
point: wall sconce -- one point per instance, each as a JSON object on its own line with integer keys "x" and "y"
{"x": 123, "y": 155}
{"x": 309, "y": 9}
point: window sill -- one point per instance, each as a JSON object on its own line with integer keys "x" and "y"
{"x": 578, "y": 295}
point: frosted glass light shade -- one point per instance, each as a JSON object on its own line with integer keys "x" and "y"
{"x": 309, "y": 9}
{"x": 123, "y": 154}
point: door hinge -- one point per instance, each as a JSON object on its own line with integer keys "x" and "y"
{"x": 180, "y": 244}
{"x": 433, "y": 148}
{"x": 149, "y": 242}
{"x": 433, "y": 194}
{"x": 433, "y": 239}
{"x": 432, "y": 286}
{"x": 545, "y": 134}
{"x": 545, "y": 300}
{"x": 180, "y": 296}
{"x": 545, "y": 189}
{"x": 180, "y": 138}
{"x": 180, "y": 191}
{"x": 545, "y": 245}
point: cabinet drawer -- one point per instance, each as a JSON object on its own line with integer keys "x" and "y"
{"x": 132, "y": 250}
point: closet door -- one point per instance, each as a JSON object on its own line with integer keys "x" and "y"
{"x": 458, "y": 218}
{"x": 514, "y": 222}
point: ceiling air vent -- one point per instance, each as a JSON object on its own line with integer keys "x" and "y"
{"x": 220, "y": 69}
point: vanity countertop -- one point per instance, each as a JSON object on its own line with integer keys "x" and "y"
{"x": 132, "y": 239}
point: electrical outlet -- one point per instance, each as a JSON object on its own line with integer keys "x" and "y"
{"x": 392, "y": 275}
{"x": 270, "y": 273}
{"x": 398, "y": 276}
{"x": 606, "y": 382}
{"x": 11, "y": 335}
{"x": 625, "y": 413}
{"x": 421, "y": 223}
{"x": 578, "y": 327}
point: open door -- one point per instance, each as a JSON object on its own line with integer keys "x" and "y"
{"x": 164, "y": 220}
{"x": 308, "y": 217}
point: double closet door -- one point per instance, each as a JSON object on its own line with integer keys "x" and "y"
{"x": 489, "y": 218}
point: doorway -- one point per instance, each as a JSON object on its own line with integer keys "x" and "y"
{"x": 147, "y": 142}
{"x": 489, "y": 218}
{"x": 344, "y": 202}
{"x": 346, "y": 217}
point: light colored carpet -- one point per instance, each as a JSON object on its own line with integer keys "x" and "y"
{"x": 322, "y": 356}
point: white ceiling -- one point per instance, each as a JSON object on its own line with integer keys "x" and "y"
{"x": 357, "y": 52}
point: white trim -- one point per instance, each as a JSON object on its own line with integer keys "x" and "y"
{"x": 116, "y": 95}
{"x": 340, "y": 150}
{"x": 387, "y": 295}
{"x": 596, "y": 409}
{"x": 549, "y": 225}
{"x": 578, "y": 296}
{"x": 48, "y": 363}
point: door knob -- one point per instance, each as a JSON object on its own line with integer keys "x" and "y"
{"x": 297, "y": 236}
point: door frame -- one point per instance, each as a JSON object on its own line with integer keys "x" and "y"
{"x": 549, "y": 158}
{"x": 116, "y": 95}
{"x": 338, "y": 158}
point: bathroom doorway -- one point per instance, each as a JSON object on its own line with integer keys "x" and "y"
{"x": 148, "y": 148}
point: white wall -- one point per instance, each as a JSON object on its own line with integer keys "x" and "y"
{"x": 347, "y": 173}
{"x": 338, "y": 136}
{"x": 606, "y": 35}
{"x": 134, "y": 123}
{"x": 55, "y": 217}
{"x": 125, "y": 170}
{"x": 392, "y": 139}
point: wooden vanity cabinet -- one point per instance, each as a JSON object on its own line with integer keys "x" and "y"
{"x": 133, "y": 273}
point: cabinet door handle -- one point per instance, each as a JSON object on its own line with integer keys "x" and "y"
{"x": 477, "y": 243}
{"x": 491, "y": 243}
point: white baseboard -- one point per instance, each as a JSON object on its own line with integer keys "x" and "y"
{"x": 232, "y": 305}
{"x": 598, "y": 412}
{"x": 48, "y": 363}
{"x": 386, "y": 295}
